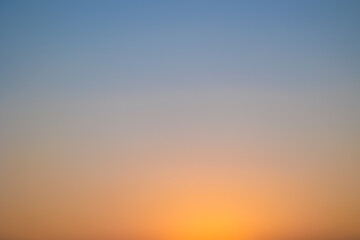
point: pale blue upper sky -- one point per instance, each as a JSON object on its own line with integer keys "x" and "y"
{"x": 67, "y": 46}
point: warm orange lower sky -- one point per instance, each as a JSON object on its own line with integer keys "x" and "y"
{"x": 181, "y": 165}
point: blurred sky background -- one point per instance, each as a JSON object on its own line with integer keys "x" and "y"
{"x": 179, "y": 120}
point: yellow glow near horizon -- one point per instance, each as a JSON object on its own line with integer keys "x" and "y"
{"x": 201, "y": 216}
{"x": 206, "y": 226}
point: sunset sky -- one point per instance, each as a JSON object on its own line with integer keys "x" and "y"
{"x": 179, "y": 120}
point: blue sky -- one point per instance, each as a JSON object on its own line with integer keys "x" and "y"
{"x": 137, "y": 44}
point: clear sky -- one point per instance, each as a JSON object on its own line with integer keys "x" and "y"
{"x": 179, "y": 120}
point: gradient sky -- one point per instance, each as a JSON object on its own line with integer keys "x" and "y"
{"x": 181, "y": 120}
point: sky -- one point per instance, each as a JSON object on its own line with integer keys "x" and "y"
{"x": 179, "y": 120}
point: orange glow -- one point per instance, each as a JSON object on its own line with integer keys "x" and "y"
{"x": 205, "y": 225}
{"x": 199, "y": 215}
